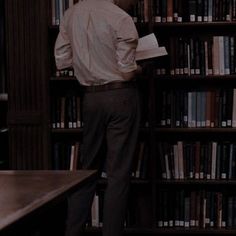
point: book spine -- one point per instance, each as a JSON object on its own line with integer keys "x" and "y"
{"x": 169, "y": 10}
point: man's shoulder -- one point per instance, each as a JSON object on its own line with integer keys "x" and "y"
{"x": 103, "y": 8}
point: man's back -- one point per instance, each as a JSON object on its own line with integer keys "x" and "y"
{"x": 99, "y": 32}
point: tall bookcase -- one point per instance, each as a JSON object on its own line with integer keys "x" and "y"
{"x": 194, "y": 117}
{"x": 188, "y": 117}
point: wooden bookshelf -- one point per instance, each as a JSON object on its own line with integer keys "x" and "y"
{"x": 174, "y": 81}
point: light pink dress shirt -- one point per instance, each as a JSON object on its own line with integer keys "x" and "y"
{"x": 99, "y": 40}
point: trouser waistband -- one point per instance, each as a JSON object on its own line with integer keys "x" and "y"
{"x": 109, "y": 86}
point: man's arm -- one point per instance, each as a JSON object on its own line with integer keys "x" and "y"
{"x": 127, "y": 41}
{"x": 62, "y": 49}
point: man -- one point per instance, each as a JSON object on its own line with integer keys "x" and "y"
{"x": 99, "y": 39}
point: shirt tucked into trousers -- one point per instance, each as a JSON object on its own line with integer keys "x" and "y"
{"x": 98, "y": 39}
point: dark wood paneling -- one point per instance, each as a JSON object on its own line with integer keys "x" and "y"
{"x": 27, "y": 70}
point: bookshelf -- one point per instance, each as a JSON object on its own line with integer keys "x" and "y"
{"x": 194, "y": 119}
{"x": 34, "y": 137}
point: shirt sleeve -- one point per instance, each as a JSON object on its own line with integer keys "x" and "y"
{"x": 62, "y": 49}
{"x": 127, "y": 41}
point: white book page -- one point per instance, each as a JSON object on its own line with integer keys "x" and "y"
{"x": 147, "y": 42}
{"x": 148, "y": 48}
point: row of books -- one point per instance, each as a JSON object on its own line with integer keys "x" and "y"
{"x": 66, "y": 156}
{"x": 200, "y": 56}
{"x": 137, "y": 214}
{"x": 96, "y": 218}
{"x": 58, "y": 7}
{"x": 194, "y": 10}
{"x": 167, "y": 10}
{"x": 197, "y": 109}
{"x": 68, "y": 72}
{"x": 140, "y": 163}
{"x": 197, "y": 209}
{"x": 197, "y": 160}
{"x": 139, "y": 12}
{"x": 66, "y": 112}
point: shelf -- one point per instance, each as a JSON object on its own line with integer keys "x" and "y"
{"x": 80, "y": 130}
{"x": 194, "y": 28}
{"x": 67, "y": 131}
{"x": 64, "y": 78}
{"x": 183, "y": 81}
{"x": 215, "y": 24}
{"x": 196, "y": 130}
{"x": 212, "y": 78}
{"x": 225, "y": 183}
{"x": 192, "y": 231}
{"x": 136, "y": 231}
{"x": 168, "y": 231}
{"x": 135, "y": 181}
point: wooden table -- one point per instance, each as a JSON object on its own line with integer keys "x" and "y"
{"x": 27, "y": 196}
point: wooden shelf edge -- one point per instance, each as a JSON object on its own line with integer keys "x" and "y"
{"x": 127, "y": 230}
{"x": 192, "y": 231}
{"x": 195, "y": 130}
{"x": 168, "y": 231}
{"x": 80, "y": 130}
{"x": 197, "y": 182}
{"x": 135, "y": 181}
{"x": 67, "y": 131}
{"x": 195, "y": 24}
{"x": 63, "y": 78}
{"x": 211, "y": 78}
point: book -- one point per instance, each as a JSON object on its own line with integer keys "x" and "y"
{"x": 95, "y": 211}
{"x": 148, "y": 48}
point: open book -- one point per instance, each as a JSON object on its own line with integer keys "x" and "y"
{"x": 148, "y": 48}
